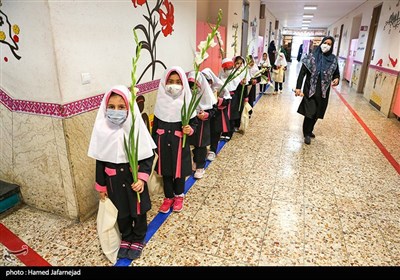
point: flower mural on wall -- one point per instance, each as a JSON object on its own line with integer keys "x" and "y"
{"x": 9, "y": 34}
{"x": 162, "y": 13}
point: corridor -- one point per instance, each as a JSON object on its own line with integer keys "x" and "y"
{"x": 266, "y": 200}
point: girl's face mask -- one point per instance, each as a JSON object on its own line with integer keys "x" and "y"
{"x": 117, "y": 117}
{"x": 174, "y": 90}
{"x": 325, "y": 48}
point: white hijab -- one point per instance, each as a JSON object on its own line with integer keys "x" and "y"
{"x": 233, "y": 84}
{"x": 107, "y": 141}
{"x": 281, "y": 60}
{"x": 217, "y": 83}
{"x": 253, "y": 70}
{"x": 168, "y": 108}
{"x": 207, "y": 96}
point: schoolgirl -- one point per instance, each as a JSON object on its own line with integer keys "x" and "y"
{"x": 113, "y": 173}
{"x": 174, "y": 160}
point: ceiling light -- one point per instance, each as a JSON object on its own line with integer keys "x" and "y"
{"x": 306, "y": 20}
{"x": 304, "y": 27}
{"x": 310, "y": 7}
{"x": 308, "y": 15}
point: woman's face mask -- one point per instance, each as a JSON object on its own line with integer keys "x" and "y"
{"x": 117, "y": 117}
{"x": 174, "y": 90}
{"x": 325, "y": 48}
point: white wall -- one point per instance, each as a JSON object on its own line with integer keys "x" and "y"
{"x": 387, "y": 40}
{"x": 60, "y": 40}
{"x": 254, "y": 13}
{"x": 34, "y": 76}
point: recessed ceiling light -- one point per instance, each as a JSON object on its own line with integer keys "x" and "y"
{"x": 308, "y": 15}
{"x": 306, "y": 20}
{"x": 304, "y": 28}
{"x": 310, "y": 7}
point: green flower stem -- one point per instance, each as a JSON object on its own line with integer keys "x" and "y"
{"x": 132, "y": 144}
{"x": 195, "y": 99}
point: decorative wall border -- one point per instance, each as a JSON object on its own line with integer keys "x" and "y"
{"x": 380, "y": 68}
{"x": 386, "y": 70}
{"x": 67, "y": 110}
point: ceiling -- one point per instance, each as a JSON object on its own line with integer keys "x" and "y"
{"x": 290, "y": 12}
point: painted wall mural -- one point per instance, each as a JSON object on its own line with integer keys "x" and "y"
{"x": 393, "y": 21}
{"x": 9, "y": 34}
{"x": 156, "y": 15}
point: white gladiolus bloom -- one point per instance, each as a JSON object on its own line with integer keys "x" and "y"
{"x": 202, "y": 45}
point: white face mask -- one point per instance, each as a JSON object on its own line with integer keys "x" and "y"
{"x": 325, "y": 48}
{"x": 225, "y": 73}
{"x": 117, "y": 117}
{"x": 174, "y": 90}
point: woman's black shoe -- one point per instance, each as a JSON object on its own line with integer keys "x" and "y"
{"x": 307, "y": 140}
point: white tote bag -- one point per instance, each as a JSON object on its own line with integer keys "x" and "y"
{"x": 107, "y": 229}
{"x": 155, "y": 182}
{"x": 245, "y": 117}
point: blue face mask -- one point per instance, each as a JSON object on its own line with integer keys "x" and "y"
{"x": 116, "y": 116}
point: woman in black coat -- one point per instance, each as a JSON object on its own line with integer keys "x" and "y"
{"x": 272, "y": 53}
{"x": 320, "y": 68}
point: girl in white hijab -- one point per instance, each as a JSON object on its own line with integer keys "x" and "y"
{"x": 239, "y": 97}
{"x": 113, "y": 174}
{"x": 278, "y": 73}
{"x": 174, "y": 162}
{"x": 220, "y": 121}
{"x": 205, "y": 112}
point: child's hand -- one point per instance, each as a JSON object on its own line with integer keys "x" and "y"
{"x": 103, "y": 195}
{"x": 186, "y": 129}
{"x": 138, "y": 186}
{"x": 201, "y": 115}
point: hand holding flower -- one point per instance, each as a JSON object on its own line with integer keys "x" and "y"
{"x": 187, "y": 129}
{"x": 138, "y": 186}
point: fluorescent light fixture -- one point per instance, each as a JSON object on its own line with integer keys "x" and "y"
{"x": 308, "y": 16}
{"x": 309, "y": 7}
{"x": 304, "y": 27}
{"x": 306, "y": 20}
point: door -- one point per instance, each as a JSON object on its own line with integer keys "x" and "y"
{"x": 348, "y": 69}
{"x": 214, "y": 55}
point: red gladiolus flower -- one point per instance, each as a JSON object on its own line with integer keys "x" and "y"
{"x": 139, "y": 2}
{"x": 167, "y": 19}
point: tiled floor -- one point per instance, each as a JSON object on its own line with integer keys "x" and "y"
{"x": 267, "y": 200}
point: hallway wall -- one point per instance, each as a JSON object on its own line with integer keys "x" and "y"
{"x": 47, "y": 111}
{"x": 383, "y": 71}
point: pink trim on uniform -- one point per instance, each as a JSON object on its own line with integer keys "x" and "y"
{"x": 143, "y": 176}
{"x": 100, "y": 188}
{"x": 159, "y": 149}
{"x": 229, "y": 110}
{"x": 224, "y": 127}
{"x": 201, "y": 133}
{"x": 220, "y": 100}
{"x": 179, "y": 156}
